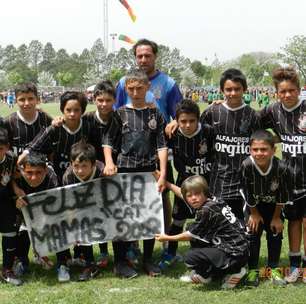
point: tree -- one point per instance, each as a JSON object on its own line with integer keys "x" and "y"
{"x": 22, "y": 55}
{"x": 35, "y": 54}
{"x": 294, "y": 54}
{"x": 48, "y": 58}
{"x": 64, "y": 78}
{"x": 99, "y": 55}
{"x": 45, "y": 79}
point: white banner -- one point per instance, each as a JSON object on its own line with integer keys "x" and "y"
{"x": 123, "y": 207}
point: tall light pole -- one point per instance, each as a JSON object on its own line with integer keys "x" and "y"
{"x": 105, "y": 24}
{"x": 113, "y": 35}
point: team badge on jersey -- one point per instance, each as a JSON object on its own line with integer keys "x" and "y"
{"x": 202, "y": 148}
{"x": 152, "y": 123}
{"x": 302, "y": 124}
{"x": 157, "y": 92}
{"x": 274, "y": 185}
{"x": 5, "y": 178}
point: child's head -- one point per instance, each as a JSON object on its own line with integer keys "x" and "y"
{"x": 83, "y": 159}
{"x": 4, "y": 143}
{"x": 262, "y": 148}
{"x": 187, "y": 116}
{"x": 195, "y": 191}
{"x": 34, "y": 168}
{"x": 287, "y": 85}
{"x": 104, "y": 97}
{"x": 233, "y": 84}
{"x": 137, "y": 84}
{"x": 73, "y": 105}
{"x": 26, "y": 98}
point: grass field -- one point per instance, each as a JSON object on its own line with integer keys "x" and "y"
{"x": 42, "y": 286}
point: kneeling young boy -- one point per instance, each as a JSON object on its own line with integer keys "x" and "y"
{"x": 265, "y": 186}
{"x": 218, "y": 242}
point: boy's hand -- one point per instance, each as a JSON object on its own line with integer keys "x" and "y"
{"x": 21, "y": 157}
{"x": 254, "y": 222}
{"x": 276, "y": 225}
{"x": 156, "y": 175}
{"x": 57, "y": 121}
{"x": 161, "y": 184}
{"x": 20, "y": 202}
{"x": 219, "y": 101}
{"x": 171, "y": 128}
{"x": 161, "y": 237}
{"x": 110, "y": 169}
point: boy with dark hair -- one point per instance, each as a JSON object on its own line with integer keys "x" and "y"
{"x": 218, "y": 241}
{"x": 233, "y": 122}
{"x": 266, "y": 187}
{"x": 36, "y": 176}
{"x": 288, "y": 120}
{"x": 84, "y": 167}
{"x": 141, "y": 130}
{"x": 8, "y": 227}
{"x": 191, "y": 145}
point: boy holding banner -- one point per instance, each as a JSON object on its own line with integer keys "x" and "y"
{"x": 141, "y": 130}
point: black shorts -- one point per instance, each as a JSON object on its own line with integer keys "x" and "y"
{"x": 297, "y": 211}
{"x": 7, "y": 214}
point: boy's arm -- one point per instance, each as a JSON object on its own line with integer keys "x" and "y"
{"x": 184, "y": 236}
{"x": 254, "y": 220}
{"x": 163, "y": 159}
{"x": 276, "y": 224}
{"x": 110, "y": 168}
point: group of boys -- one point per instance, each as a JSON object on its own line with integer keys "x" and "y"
{"x": 213, "y": 148}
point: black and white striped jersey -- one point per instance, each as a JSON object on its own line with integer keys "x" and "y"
{"x": 57, "y": 141}
{"x": 217, "y": 226}
{"x": 232, "y": 130}
{"x": 192, "y": 154}
{"x": 273, "y": 186}
{"x": 7, "y": 170}
{"x": 70, "y": 177}
{"x": 290, "y": 126}
{"x": 21, "y": 132}
{"x": 141, "y": 134}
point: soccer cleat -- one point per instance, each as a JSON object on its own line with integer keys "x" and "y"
{"x": 102, "y": 260}
{"x": 89, "y": 273}
{"x": 304, "y": 275}
{"x": 232, "y": 280}
{"x": 168, "y": 260}
{"x": 9, "y": 277}
{"x": 122, "y": 269}
{"x": 151, "y": 269}
{"x": 252, "y": 278}
{"x": 44, "y": 261}
{"x": 63, "y": 274}
{"x": 293, "y": 276}
{"x": 80, "y": 262}
{"x": 277, "y": 278}
{"x": 195, "y": 278}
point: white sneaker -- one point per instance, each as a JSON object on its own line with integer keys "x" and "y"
{"x": 63, "y": 274}
{"x": 232, "y": 280}
{"x": 195, "y": 278}
{"x": 293, "y": 276}
{"x": 44, "y": 261}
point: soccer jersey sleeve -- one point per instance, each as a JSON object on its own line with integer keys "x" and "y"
{"x": 112, "y": 136}
{"x": 285, "y": 193}
{"x": 246, "y": 185}
{"x": 161, "y": 137}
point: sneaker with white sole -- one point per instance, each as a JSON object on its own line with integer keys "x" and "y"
{"x": 43, "y": 261}
{"x": 63, "y": 274}
{"x": 9, "y": 277}
{"x": 195, "y": 278}
{"x": 293, "y": 275}
{"x": 277, "y": 278}
{"x": 232, "y": 280}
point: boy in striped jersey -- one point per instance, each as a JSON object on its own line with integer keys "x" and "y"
{"x": 141, "y": 130}
{"x": 191, "y": 145}
{"x": 266, "y": 188}
{"x": 287, "y": 118}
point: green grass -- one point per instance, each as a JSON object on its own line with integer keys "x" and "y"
{"x": 42, "y": 286}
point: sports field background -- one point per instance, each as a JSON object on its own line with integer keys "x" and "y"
{"x": 42, "y": 287}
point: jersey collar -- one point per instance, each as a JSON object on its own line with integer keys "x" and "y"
{"x": 293, "y": 108}
{"x": 259, "y": 170}
{"x": 28, "y": 122}
{"x": 224, "y": 104}
{"x": 76, "y": 131}
{"x": 90, "y": 178}
{"x": 194, "y": 134}
{"x": 100, "y": 119}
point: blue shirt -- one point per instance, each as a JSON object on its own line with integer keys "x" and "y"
{"x": 163, "y": 92}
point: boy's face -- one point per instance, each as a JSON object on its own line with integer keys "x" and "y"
{"x": 262, "y": 152}
{"x": 3, "y": 150}
{"x": 72, "y": 111}
{"x": 34, "y": 175}
{"x": 104, "y": 103}
{"x": 288, "y": 93}
{"x": 233, "y": 92}
{"x": 83, "y": 169}
{"x": 195, "y": 199}
{"x": 137, "y": 90}
{"x": 188, "y": 123}
{"x": 27, "y": 102}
